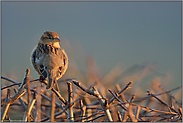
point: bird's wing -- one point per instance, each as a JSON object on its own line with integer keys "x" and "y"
{"x": 37, "y": 59}
{"x": 64, "y": 59}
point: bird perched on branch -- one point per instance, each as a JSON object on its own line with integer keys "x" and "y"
{"x": 48, "y": 59}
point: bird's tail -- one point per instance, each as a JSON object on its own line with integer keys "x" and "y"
{"x": 52, "y": 81}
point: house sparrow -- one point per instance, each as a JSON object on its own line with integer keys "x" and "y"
{"x": 48, "y": 59}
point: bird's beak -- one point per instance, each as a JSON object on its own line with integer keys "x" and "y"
{"x": 56, "y": 39}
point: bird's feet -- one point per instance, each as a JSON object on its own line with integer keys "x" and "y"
{"x": 42, "y": 80}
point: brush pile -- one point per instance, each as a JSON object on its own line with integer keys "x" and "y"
{"x": 94, "y": 103}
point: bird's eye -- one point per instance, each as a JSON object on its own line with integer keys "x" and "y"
{"x": 49, "y": 37}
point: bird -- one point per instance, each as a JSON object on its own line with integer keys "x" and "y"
{"x": 49, "y": 60}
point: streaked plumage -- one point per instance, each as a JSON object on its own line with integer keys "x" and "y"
{"x": 48, "y": 59}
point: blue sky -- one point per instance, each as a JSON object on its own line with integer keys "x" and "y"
{"x": 112, "y": 32}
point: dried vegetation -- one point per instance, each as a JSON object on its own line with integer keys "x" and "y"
{"x": 87, "y": 104}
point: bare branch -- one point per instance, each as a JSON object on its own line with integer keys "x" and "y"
{"x": 103, "y": 103}
{"x": 17, "y": 95}
{"x": 5, "y": 106}
{"x": 28, "y": 99}
{"x": 137, "y": 112}
{"x": 59, "y": 96}
{"x": 83, "y": 110}
{"x": 70, "y": 96}
{"x": 52, "y": 107}
{"x": 27, "y": 114}
{"x": 92, "y": 120}
{"x": 119, "y": 93}
{"x": 121, "y": 103}
{"x": 162, "y": 102}
{"x": 119, "y": 116}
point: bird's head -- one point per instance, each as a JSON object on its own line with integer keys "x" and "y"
{"x": 50, "y": 37}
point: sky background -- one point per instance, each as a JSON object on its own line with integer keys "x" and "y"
{"x": 111, "y": 32}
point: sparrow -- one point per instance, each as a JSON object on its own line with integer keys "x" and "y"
{"x": 48, "y": 59}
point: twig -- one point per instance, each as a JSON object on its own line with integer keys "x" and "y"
{"x": 116, "y": 97}
{"x": 139, "y": 100}
{"x": 125, "y": 116}
{"x": 154, "y": 109}
{"x": 162, "y": 102}
{"x": 20, "y": 89}
{"x": 14, "y": 83}
{"x": 56, "y": 92}
{"x": 88, "y": 114}
{"x": 52, "y": 107}
{"x": 59, "y": 113}
{"x": 5, "y": 78}
{"x": 70, "y": 96}
{"x": 27, "y": 114}
{"x": 38, "y": 105}
{"x": 103, "y": 104}
{"x": 180, "y": 111}
{"x": 14, "y": 98}
{"x": 122, "y": 95}
{"x": 10, "y": 86}
{"x": 17, "y": 95}
{"x": 22, "y": 103}
{"x": 93, "y": 84}
{"x": 119, "y": 93}
{"x": 28, "y": 99}
{"x": 170, "y": 96}
{"x": 5, "y": 106}
{"x": 92, "y": 115}
{"x": 77, "y": 83}
{"x": 137, "y": 112}
{"x": 83, "y": 110}
{"x": 148, "y": 102}
{"x": 50, "y": 101}
{"x": 95, "y": 93}
{"x": 119, "y": 116}
{"x": 130, "y": 112}
{"x": 95, "y": 118}
{"x": 59, "y": 96}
